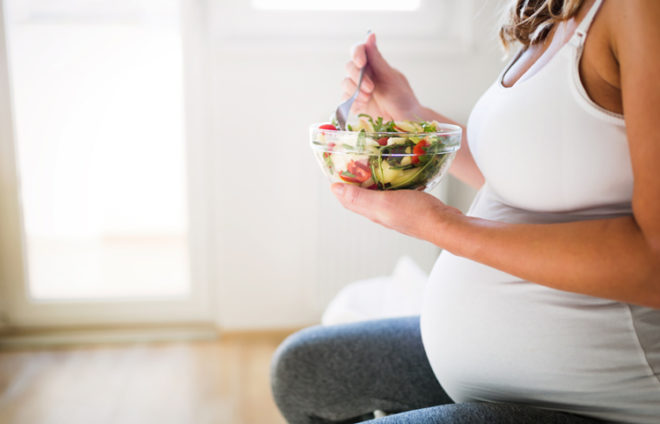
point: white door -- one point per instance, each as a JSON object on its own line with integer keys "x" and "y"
{"x": 102, "y": 183}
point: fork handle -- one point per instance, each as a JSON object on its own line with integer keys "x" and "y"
{"x": 357, "y": 89}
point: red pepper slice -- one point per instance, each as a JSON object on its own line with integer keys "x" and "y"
{"x": 327, "y": 127}
{"x": 330, "y": 147}
{"x": 348, "y": 177}
{"x": 360, "y": 170}
{"x": 418, "y": 151}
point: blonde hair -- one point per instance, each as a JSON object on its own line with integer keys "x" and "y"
{"x": 530, "y": 21}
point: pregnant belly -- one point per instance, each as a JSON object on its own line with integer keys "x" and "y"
{"x": 492, "y": 337}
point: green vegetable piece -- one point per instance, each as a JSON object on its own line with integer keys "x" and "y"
{"x": 389, "y": 127}
{"x": 361, "y": 141}
{"x": 371, "y": 120}
{"x": 428, "y": 127}
{"x": 376, "y": 171}
{"x": 408, "y": 178}
{"x": 328, "y": 162}
{"x": 378, "y": 126}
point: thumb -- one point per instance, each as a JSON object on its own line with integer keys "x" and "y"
{"x": 374, "y": 58}
{"x": 354, "y": 198}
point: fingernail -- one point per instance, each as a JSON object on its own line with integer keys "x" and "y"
{"x": 338, "y": 189}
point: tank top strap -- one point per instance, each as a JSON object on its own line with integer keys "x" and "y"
{"x": 581, "y": 32}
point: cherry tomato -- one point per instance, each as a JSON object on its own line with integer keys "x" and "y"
{"x": 382, "y": 141}
{"x": 327, "y": 127}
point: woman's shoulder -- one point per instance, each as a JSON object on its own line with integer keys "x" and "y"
{"x": 624, "y": 34}
{"x": 632, "y": 26}
{"x": 599, "y": 67}
{"x": 622, "y": 47}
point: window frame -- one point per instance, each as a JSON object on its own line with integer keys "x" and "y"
{"x": 437, "y": 27}
{"x": 255, "y": 5}
{"x": 17, "y": 309}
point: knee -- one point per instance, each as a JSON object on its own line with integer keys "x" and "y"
{"x": 293, "y": 374}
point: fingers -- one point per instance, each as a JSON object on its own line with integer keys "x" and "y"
{"x": 393, "y": 209}
{"x": 367, "y": 54}
{"x": 364, "y": 54}
{"x": 355, "y": 199}
{"x": 375, "y": 59}
{"x": 349, "y": 84}
{"x": 358, "y": 199}
{"x": 360, "y": 107}
{"x": 348, "y": 88}
{"x": 359, "y": 55}
{"x": 353, "y": 72}
{"x": 371, "y": 204}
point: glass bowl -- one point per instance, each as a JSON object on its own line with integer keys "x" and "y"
{"x": 386, "y": 160}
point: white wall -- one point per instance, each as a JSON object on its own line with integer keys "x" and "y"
{"x": 284, "y": 246}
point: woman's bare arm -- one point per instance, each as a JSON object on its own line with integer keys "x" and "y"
{"x": 610, "y": 258}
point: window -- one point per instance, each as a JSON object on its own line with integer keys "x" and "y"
{"x": 426, "y": 25}
{"x": 336, "y": 4}
{"x": 97, "y": 91}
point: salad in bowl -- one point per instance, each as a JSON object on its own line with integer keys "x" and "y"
{"x": 386, "y": 155}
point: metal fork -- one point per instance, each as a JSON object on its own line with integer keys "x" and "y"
{"x": 343, "y": 109}
{"x": 341, "y": 114}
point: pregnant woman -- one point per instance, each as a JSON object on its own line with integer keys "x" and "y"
{"x": 544, "y": 306}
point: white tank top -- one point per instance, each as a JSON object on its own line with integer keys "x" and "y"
{"x": 549, "y": 154}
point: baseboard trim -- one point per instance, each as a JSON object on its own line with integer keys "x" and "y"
{"x": 25, "y": 338}
{"x": 258, "y": 333}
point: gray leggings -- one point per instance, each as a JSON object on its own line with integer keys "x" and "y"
{"x": 342, "y": 373}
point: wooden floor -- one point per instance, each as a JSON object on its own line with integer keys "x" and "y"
{"x": 211, "y": 382}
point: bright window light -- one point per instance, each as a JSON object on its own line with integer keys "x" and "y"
{"x": 386, "y": 5}
{"x": 98, "y": 94}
